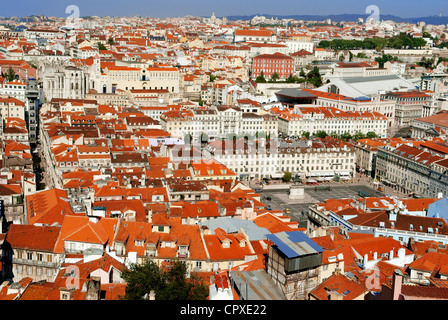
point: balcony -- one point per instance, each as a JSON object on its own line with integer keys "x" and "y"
{"x": 35, "y": 263}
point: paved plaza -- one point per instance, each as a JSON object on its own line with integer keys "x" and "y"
{"x": 278, "y": 199}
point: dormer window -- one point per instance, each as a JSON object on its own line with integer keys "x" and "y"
{"x": 139, "y": 243}
{"x": 226, "y": 243}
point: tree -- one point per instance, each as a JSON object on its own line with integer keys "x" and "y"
{"x": 321, "y": 134}
{"x": 101, "y": 46}
{"x": 141, "y": 279}
{"x": 260, "y": 78}
{"x": 314, "y": 77}
{"x": 361, "y": 55}
{"x": 275, "y": 77}
{"x": 385, "y": 58}
{"x": 287, "y": 176}
{"x": 306, "y": 134}
{"x": 168, "y": 283}
{"x": 346, "y": 136}
{"x": 10, "y": 75}
{"x": 359, "y": 136}
{"x": 371, "y": 135}
{"x": 291, "y": 79}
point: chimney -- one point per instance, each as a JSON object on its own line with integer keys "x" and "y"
{"x": 65, "y": 294}
{"x": 335, "y": 296}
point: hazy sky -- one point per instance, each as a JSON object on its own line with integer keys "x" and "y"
{"x": 178, "y": 8}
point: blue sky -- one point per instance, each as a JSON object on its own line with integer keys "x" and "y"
{"x": 177, "y": 8}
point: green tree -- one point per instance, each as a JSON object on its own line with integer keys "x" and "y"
{"x": 321, "y": 134}
{"x": 290, "y": 79}
{"x": 168, "y": 283}
{"x": 385, "y": 58}
{"x": 260, "y": 78}
{"x": 101, "y": 46}
{"x": 371, "y": 135}
{"x": 141, "y": 279}
{"x": 275, "y": 77}
{"x": 361, "y": 55}
{"x": 359, "y": 135}
{"x": 10, "y": 74}
{"x": 346, "y": 136}
{"x": 287, "y": 176}
{"x": 306, "y": 134}
{"x": 314, "y": 77}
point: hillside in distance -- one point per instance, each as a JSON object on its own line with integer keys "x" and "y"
{"x": 435, "y": 20}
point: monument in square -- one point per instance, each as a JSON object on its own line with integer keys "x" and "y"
{"x": 296, "y": 192}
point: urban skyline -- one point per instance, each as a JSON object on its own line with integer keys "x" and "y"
{"x": 208, "y": 158}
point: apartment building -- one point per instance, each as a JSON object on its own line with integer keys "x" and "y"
{"x": 12, "y": 108}
{"x": 214, "y": 122}
{"x": 412, "y": 170}
{"x": 376, "y": 103}
{"x": 247, "y": 158}
{"x": 270, "y": 64}
{"x": 357, "y": 69}
{"x": 321, "y": 159}
{"x": 435, "y": 125}
{"x": 34, "y": 253}
{"x": 304, "y": 118}
{"x": 250, "y": 35}
{"x": 409, "y": 106}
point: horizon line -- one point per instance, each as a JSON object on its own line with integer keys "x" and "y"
{"x": 220, "y": 17}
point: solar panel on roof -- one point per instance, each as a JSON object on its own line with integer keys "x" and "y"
{"x": 294, "y": 244}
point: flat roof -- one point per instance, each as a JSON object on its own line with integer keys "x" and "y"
{"x": 256, "y": 285}
{"x": 294, "y": 244}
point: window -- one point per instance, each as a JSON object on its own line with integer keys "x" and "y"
{"x": 29, "y": 256}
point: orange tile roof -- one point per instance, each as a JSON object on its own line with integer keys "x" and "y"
{"x": 80, "y": 229}
{"x": 48, "y": 207}
{"x": 341, "y": 285}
